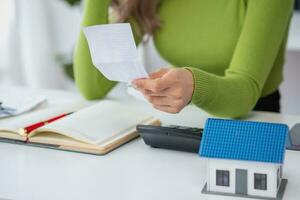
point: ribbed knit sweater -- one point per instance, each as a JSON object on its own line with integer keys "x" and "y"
{"x": 234, "y": 48}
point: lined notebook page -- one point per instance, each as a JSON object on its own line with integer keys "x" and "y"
{"x": 99, "y": 122}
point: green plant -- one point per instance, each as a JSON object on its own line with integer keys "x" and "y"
{"x": 66, "y": 60}
{"x": 72, "y": 2}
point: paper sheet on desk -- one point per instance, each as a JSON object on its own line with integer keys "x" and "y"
{"x": 114, "y": 53}
{"x": 18, "y": 103}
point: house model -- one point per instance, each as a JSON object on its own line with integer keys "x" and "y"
{"x": 244, "y": 158}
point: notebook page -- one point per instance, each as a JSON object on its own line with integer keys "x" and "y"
{"x": 114, "y": 53}
{"x": 99, "y": 122}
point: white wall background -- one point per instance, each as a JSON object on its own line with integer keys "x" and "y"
{"x": 290, "y": 87}
{"x": 50, "y": 28}
{"x": 39, "y": 31}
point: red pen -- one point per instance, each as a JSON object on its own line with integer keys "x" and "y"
{"x": 28, "y": 129}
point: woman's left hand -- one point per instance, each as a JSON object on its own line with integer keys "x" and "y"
{"x": 169, "y": 90}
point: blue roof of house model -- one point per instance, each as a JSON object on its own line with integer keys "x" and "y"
{"x": 244, "y": 140}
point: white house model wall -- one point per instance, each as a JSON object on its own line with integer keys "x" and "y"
{"x": 270, "y": 169}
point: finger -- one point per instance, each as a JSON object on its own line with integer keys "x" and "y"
{"x": 174, "y": 92}
{"x": 144, "y": 92}
{"x": 162, "y": 93}
{"x": 155, "y": 85}
{"x": 151, "y": 94}
{"x": 159, "y": 84}
{"x": 167, "y": 109}
{"x": 159, "y": 73}
{"x": 136, "y": 82}
{"x": 160, "y": 100}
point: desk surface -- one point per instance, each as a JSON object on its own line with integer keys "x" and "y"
{"x": 133, "y": 171}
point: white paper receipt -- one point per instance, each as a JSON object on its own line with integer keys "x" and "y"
{"x": 114, "y": 53}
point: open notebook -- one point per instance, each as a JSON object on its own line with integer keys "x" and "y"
{"x": 96, "y": 129}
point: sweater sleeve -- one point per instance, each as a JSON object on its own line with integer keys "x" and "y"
{"x": 236, "y": 93}
{"x": 91, "y": 83}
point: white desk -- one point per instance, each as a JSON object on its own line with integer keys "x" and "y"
{"x": 134, "y": 171}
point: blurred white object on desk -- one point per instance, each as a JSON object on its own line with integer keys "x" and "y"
{"x": 15, "y": 104}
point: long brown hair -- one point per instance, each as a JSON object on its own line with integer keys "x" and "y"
{"x": 144, "y": 11}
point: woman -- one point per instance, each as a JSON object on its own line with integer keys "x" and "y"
{"x": 227, "y": 55}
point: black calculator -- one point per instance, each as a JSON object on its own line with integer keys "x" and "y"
{"x": 180, "y": 138}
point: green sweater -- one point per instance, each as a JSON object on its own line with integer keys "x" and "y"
{"x": 234, "y": 48}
